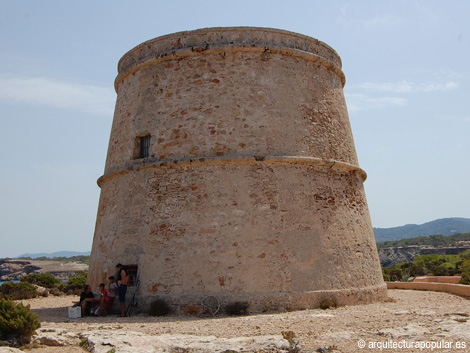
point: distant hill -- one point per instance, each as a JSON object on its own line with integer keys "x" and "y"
{"x": 444, "y": 226}
{"x": 429, "y": 241}
{"x": 56, "y": 254}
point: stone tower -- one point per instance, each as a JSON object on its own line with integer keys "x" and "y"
{"x": 231, "y": 171}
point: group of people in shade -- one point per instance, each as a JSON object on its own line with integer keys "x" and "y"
{"x": 100, "y": 304}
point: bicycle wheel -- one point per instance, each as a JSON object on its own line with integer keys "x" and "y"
{"x": 210, "y": 304}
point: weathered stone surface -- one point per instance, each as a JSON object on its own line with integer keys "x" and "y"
{"x": 10, "y": 350}
{"x": 44, "y": 292}
{"x": 101, "y": 341}
{"x": 409, "y": 331}
{"x": 456, "y": 326}
{"x": 54, "y": 337}
{"x": 251, "y": 190}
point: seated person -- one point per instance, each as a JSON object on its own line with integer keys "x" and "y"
{"x": 105, "y": 301}
{"x": 113, "y": 289}
{"x": 88, "y": 302}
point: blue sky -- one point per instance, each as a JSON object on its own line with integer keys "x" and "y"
{"x": 407, "y": 90}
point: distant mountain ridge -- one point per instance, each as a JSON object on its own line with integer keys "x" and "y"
{"x": 56, "y": 254}
{"x": 443, "y": 226}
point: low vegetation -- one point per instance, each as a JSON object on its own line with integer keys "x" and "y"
{"x": 432, "y": 240}
{"x": 159, "y": 307}
{"x": 17, "y": 322}
{"x": 27, "y": 288}
{"x": 17, "y": 291}
{"x": 328, "y": 303}
{"x": 237, "y": 308}
{"x": 85, "y": 259}
{"x": 431, "y": 265}
{"x": 46, "y": 280}
{"x": 75, "y": 284}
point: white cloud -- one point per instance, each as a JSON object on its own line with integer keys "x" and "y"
{"x": 431, "y": 87}
{"x": 44, "y": 91}
{"x": 358, "y": 101}
{"x": 354, "y": 17}
{"x": 369, "y": 95}
{"x": 407, "y": 87}
{"x": 386, "y": 20}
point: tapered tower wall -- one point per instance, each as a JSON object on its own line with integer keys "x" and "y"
{"x": 251, "y": 189}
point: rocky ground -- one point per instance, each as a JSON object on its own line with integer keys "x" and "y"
{"x": 13, "y": 270}
{"x": 439, "y": 322}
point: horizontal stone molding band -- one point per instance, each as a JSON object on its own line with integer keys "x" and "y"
{"x": 284, "y": 300}
{"x": 228, "y": 48}
{"x": 150, "y": 163}
{"x": 205, "y": 49}
{"x": 242, "y": 36}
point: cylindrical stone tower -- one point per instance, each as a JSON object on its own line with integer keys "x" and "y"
{"x": 232, "y": 172}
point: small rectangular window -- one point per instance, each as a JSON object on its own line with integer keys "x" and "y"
{"x": 144, "y": 146}
{"x": 132, "y": 273}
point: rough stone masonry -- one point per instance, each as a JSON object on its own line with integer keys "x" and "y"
{"x": 232, "y": 172}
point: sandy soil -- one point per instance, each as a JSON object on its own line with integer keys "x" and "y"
{"x": 408, "y": 315}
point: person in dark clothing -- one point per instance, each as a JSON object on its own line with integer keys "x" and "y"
{"x": 122, "y": 281}
{"x": 88, "y": 302}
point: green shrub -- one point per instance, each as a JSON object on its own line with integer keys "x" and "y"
{"x": 328, "y": 302}
{"x": 17, "y": 321}
{"x": 465, "y": 255}
{"x": 465, "y": 271}
{"x": 46, "y": 280}
{"x": 237, "y": 308}
{"x": 159, "y": 307}
{"x": 432, "y": 265}
{"x": 465, "y": 278}
{"x": 56, "y": 291}
{"x": 394, "y": 273}
{"x": 75, "y": 284}
{"x": 15, "y": 291}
